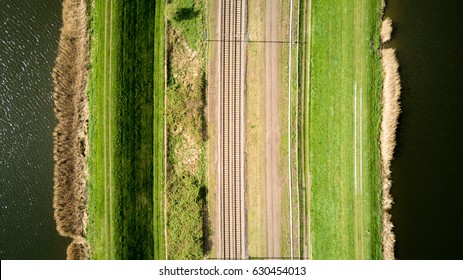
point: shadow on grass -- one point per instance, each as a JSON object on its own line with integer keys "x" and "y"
{"x": 183, "y": 14}
{"x": 206, "y": 243}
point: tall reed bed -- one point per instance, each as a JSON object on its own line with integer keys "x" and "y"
{"x": 78, "y": 249}
{"x": 386, "y": 30}
{"x": 70, "y": 135}
{"x": 390, "y": 116}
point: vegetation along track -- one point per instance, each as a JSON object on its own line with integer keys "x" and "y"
{"x": 231, "y": 129}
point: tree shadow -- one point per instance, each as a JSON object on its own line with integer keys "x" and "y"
{"x": 185, "y": 14}
{"x": 206, "y": 239}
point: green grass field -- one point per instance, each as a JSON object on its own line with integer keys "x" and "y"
{"x": 343, "y": 130}
{"x": 124, "y": 130}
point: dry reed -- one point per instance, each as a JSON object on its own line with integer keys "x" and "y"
{"x": 78, "y": 249}
{"x": 390, "y": 116}
{"x": 386, "y": 30}
{"x": 70, "y": 134}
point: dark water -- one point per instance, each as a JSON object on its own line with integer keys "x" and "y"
{"x": 428, "y": 165}
{"x": 29, "y": 33}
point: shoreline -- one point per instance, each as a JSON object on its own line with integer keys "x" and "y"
{"x": 70, "y": 134}
{"x": 390, "y": 115}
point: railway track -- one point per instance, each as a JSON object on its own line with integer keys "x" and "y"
{"x": 231, "y": 129}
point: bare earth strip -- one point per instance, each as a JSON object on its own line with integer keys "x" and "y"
{"x": 213, "y": 32}
{"x": 255, "y": 133}
{"x": 272, "y": 130}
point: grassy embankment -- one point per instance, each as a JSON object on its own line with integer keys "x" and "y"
{"x": 123, "y": 95}
{"x": 344, "y": 118}
{"x": 391, "y": 111}
{"x": 186, "y": 131}
{"x": 70, "y": 134}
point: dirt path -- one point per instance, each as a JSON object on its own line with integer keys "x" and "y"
{"x": 255, "y": 173}
{"x": 272, "y": 130}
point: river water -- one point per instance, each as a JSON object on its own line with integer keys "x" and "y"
{"x": 29, "y": 34}
{"x": 427, "y": 171}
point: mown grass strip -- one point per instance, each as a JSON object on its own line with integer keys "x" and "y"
{"x": 97, "y": 230}
{"x": 128, "y": 103}
{"x": 342, "y": 31}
